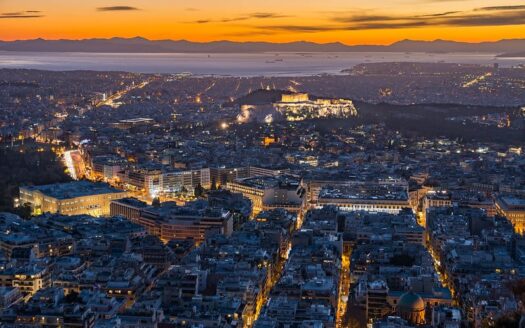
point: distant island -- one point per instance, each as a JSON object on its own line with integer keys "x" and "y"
{"x": 142, "y": 45}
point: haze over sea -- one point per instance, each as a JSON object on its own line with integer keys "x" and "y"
{"x": 259, "y": 64}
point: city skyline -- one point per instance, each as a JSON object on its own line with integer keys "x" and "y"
{"x": 276, "y": 164}
{"x": 359, "y": 22}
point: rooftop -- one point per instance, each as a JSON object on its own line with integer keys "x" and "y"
{"x": 192, "y": 210}
{"x": 364, "y": 191}
{"x": 74, "y": 189}
{"x": 512, "y": 202}
{"x": 267, "y": 182}
{"x": 137, "y": 120}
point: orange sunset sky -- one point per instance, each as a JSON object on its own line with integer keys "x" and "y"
{"x": 346, "y": 21}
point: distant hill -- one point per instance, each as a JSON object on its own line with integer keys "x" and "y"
{"x": 258, "y": 97}
{"x": 444, "y": 46}
{"x": 513, "y": 54}
{"x": 142, "y": 45}
{"x": 262, "y": 97}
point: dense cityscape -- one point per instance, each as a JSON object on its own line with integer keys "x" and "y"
{"x": 392, "y": 195}
{"x": 275, "y": 164}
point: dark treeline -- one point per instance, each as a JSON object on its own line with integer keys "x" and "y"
{"x": 29, "y": 164}
{"x": 431, "y": 121}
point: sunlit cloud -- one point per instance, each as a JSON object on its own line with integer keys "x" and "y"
{"x": 490, "y": 17}
{"x": 484, "y": 16}
{"x": 21, "y": 14}
{"x": 301, "y": 28}
{"x": 257, "y": 16}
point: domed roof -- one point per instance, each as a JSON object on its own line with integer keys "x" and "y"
{"x": 411, "y": 302}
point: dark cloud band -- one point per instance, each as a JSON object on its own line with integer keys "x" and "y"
{"x": 118, "y": 8}
{"x": 260, "y": 15}
{"x": 484, "y": 16}
{"x": 21, "y": 14}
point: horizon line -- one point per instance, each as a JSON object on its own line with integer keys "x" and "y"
{"x": 269, "y": 42}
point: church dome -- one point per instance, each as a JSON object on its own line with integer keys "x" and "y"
{"x": 411, "y": 307}
{"x": 411, "y": 302}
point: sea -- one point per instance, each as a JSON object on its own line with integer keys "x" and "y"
{"x": 244, "y": 65}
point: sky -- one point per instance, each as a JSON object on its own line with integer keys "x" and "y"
{"x": 346, "y": 21}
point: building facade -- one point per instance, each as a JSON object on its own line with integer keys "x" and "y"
{"x": 72, "y": 198}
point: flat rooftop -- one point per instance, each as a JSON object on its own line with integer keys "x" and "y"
{"x": 366, "y": 192}
{"x": 195, "y": 209}
{"x": 512, "y": 203}
{"x": 74, "y": 189}
{"x": 439, "y": 195}
{"x": 267, "y": 182}
{"x": 132, "y": 202}
{"x": 137, "y": 120}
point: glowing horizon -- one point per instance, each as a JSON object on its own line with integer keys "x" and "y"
{"x": 378, "y": 22}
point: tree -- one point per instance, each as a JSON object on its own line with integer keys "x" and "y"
{"x": 73, "y": 297}
{"x": 24, "y": 211}
{"x": 199, "y": 191}
{"x": 30, "y": 164}
{"x": 156, "y": 202}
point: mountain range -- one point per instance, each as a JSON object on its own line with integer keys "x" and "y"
{"x": 142, "y": 45}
